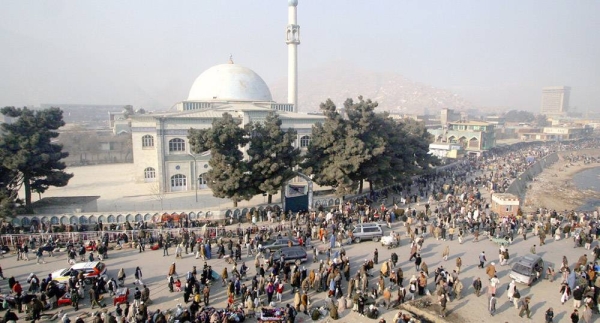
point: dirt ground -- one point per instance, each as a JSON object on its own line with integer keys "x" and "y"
{"x": 554, "y": 188}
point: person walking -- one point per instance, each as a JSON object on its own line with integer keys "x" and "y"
{"x": 577, "y": 296}
{"x": 525, "y": 307}
{"x": 477, "y": 286}
{"x": 376, "y": 256}
{"x": 138, "y": 276}
{"x": 94, "y": 298}
{"x": 224, "y": 276}
{"x": 491, "y": 270}
{"x": 166, "y": 247}
{"x": 516, "y": 298}
{"x": 510, "y": 290}
{"x": 482, "y": 259}
{"x": 549, "y": 316}
{"x": 492, "y": 305}
{"x": 173, "y": 270}
{"x": 418, "y": 261}
{"x": 40, "y": 256}
{"x": 565, "y": 293}
{"x": 75, "y": 299}
{"x": 575, "y": 316}
{"x": 458, "y": 287}
{"x": 443, "y": 303}
{"x": 458, "y": 264}
{"x": 446, "y": 253}
{"x": 121, "y": 277}
{"x": 494, "y": 282}
{"x": 270, "y": 289}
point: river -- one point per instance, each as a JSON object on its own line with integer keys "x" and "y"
{"x": 588, "y": 179}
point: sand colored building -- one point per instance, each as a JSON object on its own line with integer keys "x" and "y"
{"x": 505, "y": 204}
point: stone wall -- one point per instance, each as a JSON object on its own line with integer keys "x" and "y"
{"x": 519, "y": 185}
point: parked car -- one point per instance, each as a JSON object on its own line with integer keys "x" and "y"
{"x": 367, "y": 231}
{"x": 291, "y": 254}
{"x": 90, "y": 269}
{"x": 528, "y": 269}
{"x": 278, "y": 244}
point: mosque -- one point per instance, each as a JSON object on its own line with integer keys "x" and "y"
{"x": 161, "y": 152}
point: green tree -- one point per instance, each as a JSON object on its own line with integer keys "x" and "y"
{"x": 272, "y": 154}
{"x": 541, "y": 120}
{"x": 230, "y": 175}
{"x": 417, "y": 145}
{"x": 26, "y": 148}
{"x": 365, "y": 127}
{"x": 326, "y": 157}
{"x": 8, "y": 193}
{"x": 518, "y": 116}
{"x": 365, "y": 146}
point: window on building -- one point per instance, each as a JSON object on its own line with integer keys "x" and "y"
{"x": 147, "y": 141}
{"x": 176, "y": 144}
{"x": 149, "y": 173}
{"x": 304, "y": 141}
{"x": 178, "y": 182}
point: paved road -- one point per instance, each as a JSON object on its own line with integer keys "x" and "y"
{"x": 470, "y": 309}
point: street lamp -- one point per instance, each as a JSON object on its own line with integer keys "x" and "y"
{"x": 195, "y": 174}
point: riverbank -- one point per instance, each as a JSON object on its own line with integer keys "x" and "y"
{"x": 554, "y": 187}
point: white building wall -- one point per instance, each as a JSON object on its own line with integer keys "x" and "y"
{"x": 144, "y": 157}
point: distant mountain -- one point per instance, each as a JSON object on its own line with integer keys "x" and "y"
{"x": 394, "y": 93}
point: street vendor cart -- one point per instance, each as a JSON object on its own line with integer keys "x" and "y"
{"x": 272, "y": 315}
{"x": 121, "y": 296}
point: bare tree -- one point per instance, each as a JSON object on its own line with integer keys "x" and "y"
{"x": 156, "y": 194}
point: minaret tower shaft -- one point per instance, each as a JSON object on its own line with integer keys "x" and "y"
{"x": 292, "y": 39}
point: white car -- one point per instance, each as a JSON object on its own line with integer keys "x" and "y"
{"x": 89, "y": 269}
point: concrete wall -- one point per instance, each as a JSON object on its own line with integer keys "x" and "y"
{"x": 519, "y": 185}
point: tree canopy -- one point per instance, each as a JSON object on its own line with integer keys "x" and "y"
{"x": 518, "y": 116}
{"x": 26, "y": 149}
{"x": 229, "y": 176}
{"x": 365, "y": 146}
{"x": 268, "y": 165}
{"x": 272, "y": 156}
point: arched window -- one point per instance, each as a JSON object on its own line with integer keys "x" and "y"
{"x": 178, "y": 182}
{"x": 304, "y": 141}
{"x": 176, "y": 144}
{"x": 474, "y": 143}
{"x": 147, "y": 141}
{"x": 149, "y": 173}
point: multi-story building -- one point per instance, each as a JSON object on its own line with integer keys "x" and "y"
{"x": 473, "y": 136}
{"x": 555, "y": 100}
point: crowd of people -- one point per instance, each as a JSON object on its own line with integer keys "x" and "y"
{"x": 449, "y": 207}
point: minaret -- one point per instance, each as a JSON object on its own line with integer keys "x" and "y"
{"x": 292, "y": 39}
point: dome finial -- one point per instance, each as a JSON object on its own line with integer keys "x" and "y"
{"x": 231, "y": 59}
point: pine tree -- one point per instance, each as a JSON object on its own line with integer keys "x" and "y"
{"x": 229, "y": 176}
{"x": 26, "y": 148}
{"x": 272, "y": 155}
{"x": 365, "y": 146}
{"x": 328, "y": 155}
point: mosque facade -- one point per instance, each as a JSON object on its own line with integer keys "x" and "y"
{"x": 161, "y": 150}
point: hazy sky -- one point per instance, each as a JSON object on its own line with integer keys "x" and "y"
{"x": 148, "y": 53}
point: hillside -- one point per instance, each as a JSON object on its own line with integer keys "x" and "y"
{"x": 394, "y": 93}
